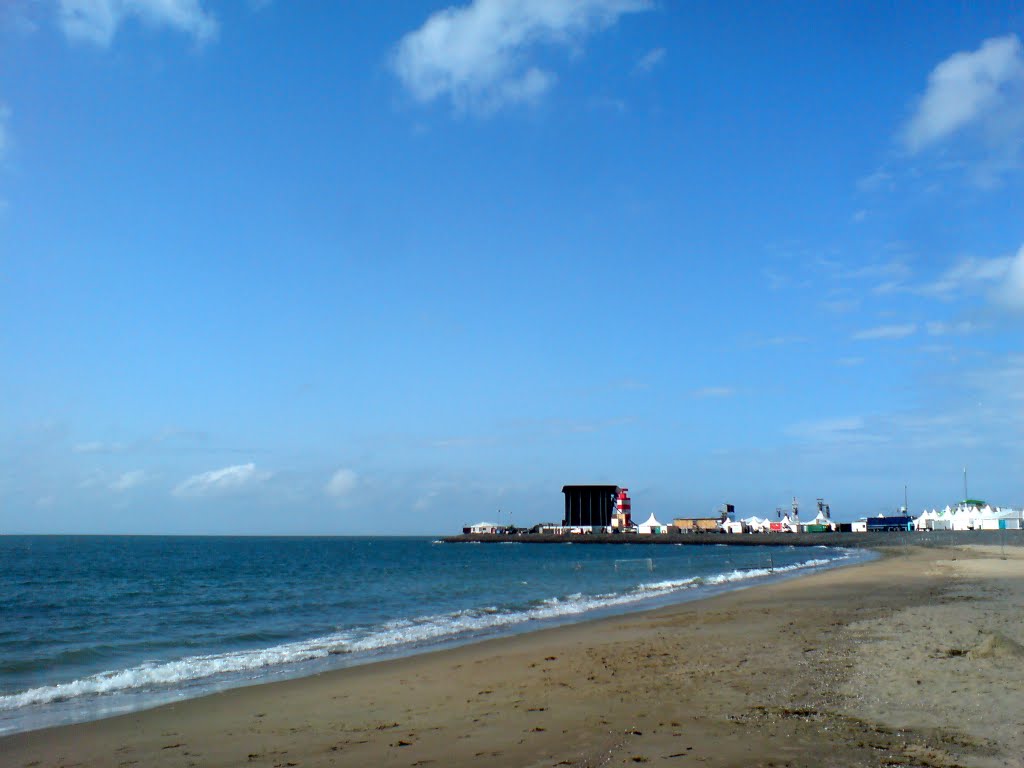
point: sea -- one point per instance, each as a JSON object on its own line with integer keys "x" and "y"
{"x": 93, "y": 626}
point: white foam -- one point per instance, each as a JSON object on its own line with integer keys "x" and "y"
{"x": 395, "y": 634}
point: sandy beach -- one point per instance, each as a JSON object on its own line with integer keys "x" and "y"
{"x": 914, "y": 659}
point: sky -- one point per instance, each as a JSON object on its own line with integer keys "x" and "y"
{"x": 273, "y": 267}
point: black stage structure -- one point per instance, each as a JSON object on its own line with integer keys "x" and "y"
{"x": 589, "y": 505}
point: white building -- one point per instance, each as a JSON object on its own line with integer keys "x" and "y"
{"x": 733, "y": 526}
{"x": 651, "y": 525}
{"x": 482, "y": 528}
{"x": 757, "y": 524}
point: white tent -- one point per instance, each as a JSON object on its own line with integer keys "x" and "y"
{"x": 651, "y": 525}
{"x": 969, "y": 517}
{"x": 820, "y": 519}
{"x": 757, "y": 524}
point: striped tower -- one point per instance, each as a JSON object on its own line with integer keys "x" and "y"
{"x": 623, "y": 506}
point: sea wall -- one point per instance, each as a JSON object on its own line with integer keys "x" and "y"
{"x": 858, "y": 540}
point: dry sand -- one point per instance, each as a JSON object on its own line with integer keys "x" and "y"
{"x": 912, "y": 660}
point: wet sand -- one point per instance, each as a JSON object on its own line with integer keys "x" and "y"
{"x": 911, "y": 660}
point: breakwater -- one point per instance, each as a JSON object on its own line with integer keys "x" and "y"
{"x": 872, "y": 540}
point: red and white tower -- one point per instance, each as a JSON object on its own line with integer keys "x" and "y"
{"x": 623, "y": 508}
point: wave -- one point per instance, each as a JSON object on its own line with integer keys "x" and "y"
{"x": 394, "y": 635}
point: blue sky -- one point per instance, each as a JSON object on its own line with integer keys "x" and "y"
{"x": 363, "y": 267}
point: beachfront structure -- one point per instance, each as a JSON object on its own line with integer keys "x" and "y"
{"x": 651, "y": 525}
{"x": 589, "y": 506}
{"x": 756, "y": 524}
{"x": 623, "y": 504}
{"x": 696, "y": 524}
{"x": 970, "y": 515}
{"x": 622, "y": 521}
{"x": 482, "y": 528}
{"x": 733, "y": 526}
{"x": 883, "y": 522}
{"x": 786, "y": 525}
{"x": 821, "y": 523}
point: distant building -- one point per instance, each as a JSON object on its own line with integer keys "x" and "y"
{"x": 652, "y": 525}
{"x": 890, "y": 523}
{"x": 589, "y": 506}
{"x": 546, "y": 528}
{"x": 482, "y": 528}
{"x": 697, "y": 524}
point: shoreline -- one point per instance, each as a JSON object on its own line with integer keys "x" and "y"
{"x": 773, "y": 674}
{"x": 76, "y": 709}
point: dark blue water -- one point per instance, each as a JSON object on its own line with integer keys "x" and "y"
{"x": 94, "y": 625}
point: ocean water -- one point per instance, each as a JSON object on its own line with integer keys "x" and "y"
{"x": 92, "y": 626}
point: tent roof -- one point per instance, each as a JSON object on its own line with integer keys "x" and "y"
{"x": 652, "y": 520}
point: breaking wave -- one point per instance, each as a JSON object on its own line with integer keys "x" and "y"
{"x": 395, "y": 636}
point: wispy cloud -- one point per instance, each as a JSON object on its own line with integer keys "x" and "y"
{"x": 342, "y": 483}
{"x": 1000, "y": 278}
{"x": 975, "y": 99}
{"x": 97, "y": 446}
{"x": 843, "y": 429}
{"x": 966, "y": 274}
{"x": 650, "y": 60}
{"x": 128, "y": 480}
{"x": 841, "y": 306}
{"x": 221, "y": 481}
{"x": 145, "y": 444}
{"x": 879, "y": 179}
{"x": 781, "y": 341}
{"x": 958, "y": 328}
{"x": 968, "y": 87}
{"x": 97, "y": 21}
{"x": 849, "y": 362}
{"x": 886, "y": 332}
{"x": 479, "y": 55}
{"x": 1010, "y": 291}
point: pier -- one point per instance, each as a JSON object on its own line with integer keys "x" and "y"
{"x": 870, "y": 540}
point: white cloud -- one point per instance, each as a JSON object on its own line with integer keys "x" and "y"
{"x": 1010, "y": 292}
{"x": 1002, "y": 278}
{"x": 879, "y": 179}
{"x": 96, "y": 446}
{"x": 886, "y": 332}
{"x": 705, "y": 392}
{"x": 650, "y": 60}
{"x": 342, "y": 483}
{"x": 964, "y": 87}
{"x": 478, "y": 54}
{"x": 965, "y": 274}
{"x": 960, "y": 328}
{"x": 220, "y": 481}
{"x": 97, "y": 21}
{"x": 844, "y": 429}
{"x": 128, "y": 480}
